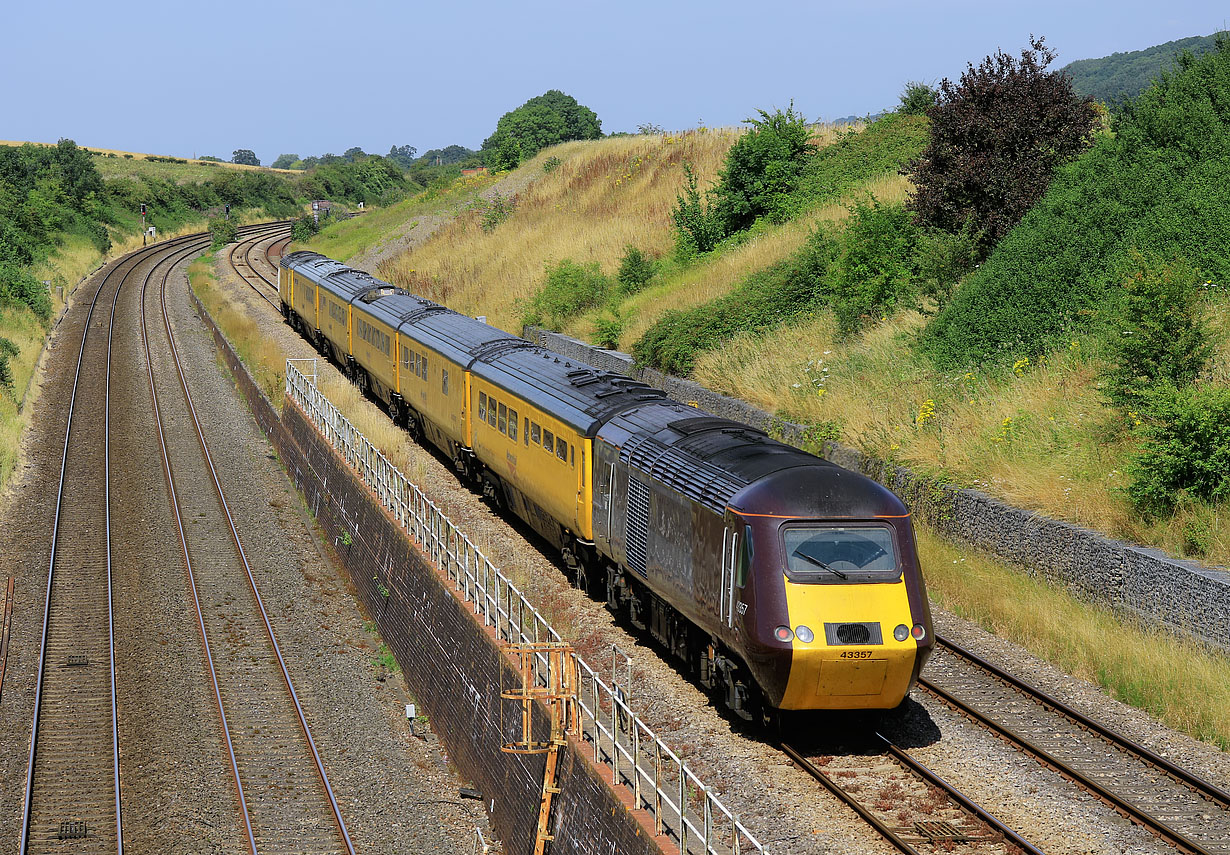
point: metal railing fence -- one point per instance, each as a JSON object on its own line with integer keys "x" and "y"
{"x": 684, "y": 808}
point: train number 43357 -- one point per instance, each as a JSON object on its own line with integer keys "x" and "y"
{"x": 854, "y": 654}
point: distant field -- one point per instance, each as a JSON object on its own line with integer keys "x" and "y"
{"x": 132, "y": 164}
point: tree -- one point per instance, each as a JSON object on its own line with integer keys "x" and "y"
{"x": 917, "y": 98}
{"x": 550, "y": 118}
{"x": 996, "y": 139}
{"x": 402, "y": 155}
{"x": 763, "y": 167}
{"x": 245, "y": 156}
{"x": 354, "y": 153}
{"x": 284, "y": 161}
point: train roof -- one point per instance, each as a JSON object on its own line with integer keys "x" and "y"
{"x": 395, "y": 306}
{"x": 578, "y": 394}
{"x": 458, "y": 337}
{"x": 714, "y": 461}
{"x": 310, "y": 264}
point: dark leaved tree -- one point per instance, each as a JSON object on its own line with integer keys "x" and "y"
{"x": 245, "y": 156}
{"x": 996, "y": 138}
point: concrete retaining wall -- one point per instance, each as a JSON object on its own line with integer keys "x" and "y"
{"x": 453, "y": 664}
{"x": 1181, "y": 596}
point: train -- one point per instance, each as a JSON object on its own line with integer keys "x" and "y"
{"x": 783, "y": 581}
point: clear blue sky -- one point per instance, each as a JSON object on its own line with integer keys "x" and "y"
{"x": 319, "y": 77}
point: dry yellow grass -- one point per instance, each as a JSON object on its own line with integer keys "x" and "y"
{"x": 1135, "y": 665}
{"x": 136, "y": 155}
{"x": 603, "y": 196}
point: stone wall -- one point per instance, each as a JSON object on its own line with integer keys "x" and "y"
{"x": 1181, "y": 596}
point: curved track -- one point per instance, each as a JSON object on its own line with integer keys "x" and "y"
{"x": 285, "y": 800}
{"x": 73, "y": 783}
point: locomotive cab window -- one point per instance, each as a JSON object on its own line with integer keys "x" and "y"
{"x": 831, "y": 554}
{"x": 746, "y": 552}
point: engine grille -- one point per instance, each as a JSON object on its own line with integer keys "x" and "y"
{"x": 852, "y": 633}
{"x": 638, "y": 525}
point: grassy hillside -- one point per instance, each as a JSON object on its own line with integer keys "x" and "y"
{"x": 115, "y": 162}
{"x": 1121, "y": 76}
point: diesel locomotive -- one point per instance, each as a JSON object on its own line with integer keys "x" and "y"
{"x": 784, "y": 582}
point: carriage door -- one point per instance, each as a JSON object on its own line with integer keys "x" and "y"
{"x": 730, "y": 560}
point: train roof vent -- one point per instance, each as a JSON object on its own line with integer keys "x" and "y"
{"x": 700, "y": 424}
{"x": 697, "y": 480}
{"x": 384, "y": 291}
{"x": 492, "y": 349}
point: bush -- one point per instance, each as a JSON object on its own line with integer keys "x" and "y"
{"x": 1187, "y": 449}
{"x": 223, "y": 231}
{"x": 698, "y": 225}
{"x": 7, "y": 349}
{"x": 996, "y": 138}
{"x": 497, "y": 210}
{"x": 569, "y": 289}
{"x": 550, "y": 164}
{"x": 1161, "y": 338}
{"x": 943, "y": 259}
{"x": 875, "y": 270}
{"x": 762, "y": 169}
{"x": 917, "y": 98}
{"x": 303, "y": 229}
{"x": 550, "y": 118}
{"x": 607, "y": 331}
{"x": 635, "y": 270}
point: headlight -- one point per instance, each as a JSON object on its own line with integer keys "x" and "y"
{"x": 919, "y": 632}
{"x": 902, "y": 632}
{"x": 783, "y": 634}
{"x": 804, "y": 634}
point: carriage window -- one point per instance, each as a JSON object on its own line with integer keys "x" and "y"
{"x": 548, "y": 440}
{"x": 837, "y": 554}
{"x": 526, "y": 432}
{"x": 535, "y": 433}
{"x": 503, "y": 422}
{"x": 512, "y": 425}
{"x": 424, "y": 374}
{"x": 491, "y": 411}
{"x": 482, "y": 406}
{"x": 405, "y": 356}
{"x": 561, "y": 449}
{"x": 572, "y": 456}
{"x": 444, "y": 380}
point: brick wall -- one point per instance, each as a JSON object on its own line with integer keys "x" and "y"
{"x": 452, "y": 663}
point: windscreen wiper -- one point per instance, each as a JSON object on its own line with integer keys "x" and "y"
{"x": 820, "y": 564}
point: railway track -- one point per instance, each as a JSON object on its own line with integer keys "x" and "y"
{"x": 286, "y": 802}
{"x": 248, "y": 272}
{"x": 72, "y": 778}
{"x": 906, "y": 803}
{"x": 1186, "y": 811}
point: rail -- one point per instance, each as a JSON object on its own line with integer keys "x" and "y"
{"x": 684, "y": 808}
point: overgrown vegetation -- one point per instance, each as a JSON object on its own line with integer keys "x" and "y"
{"x": 569, "y": 288}
{"x": 1120, "y": 77}
{"x": 222, "y": 233}
{"x": 1156, "y": 184}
